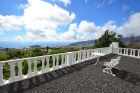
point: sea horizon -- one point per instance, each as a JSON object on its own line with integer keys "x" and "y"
{"x": 14, "y": 44}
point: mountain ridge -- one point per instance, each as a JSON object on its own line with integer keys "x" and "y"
{"x": 89, "y": 42}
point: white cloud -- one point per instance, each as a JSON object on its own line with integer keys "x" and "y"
{"x": 19, "y": 38}
{"x": 125, "y": 7}
{"x": 90, "y": 31}
{"x": 66, "y": 2}
{"x": 42, "y": 19}
{"x": 70, "y": 34}
{"x": 131, "y": 25}
{"x": 86, "y": 27}
{"x": 100, "y": 4}
{"x": 110, "y": 25}
{"x": 45, "y": 19}
{"x": 111, "y": 1}
{"x": 10, "y": 23}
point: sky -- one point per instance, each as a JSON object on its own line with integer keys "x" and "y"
{"x": 67, "y": 20}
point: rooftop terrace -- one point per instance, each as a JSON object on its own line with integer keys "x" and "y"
{"x": 83, "y": 78}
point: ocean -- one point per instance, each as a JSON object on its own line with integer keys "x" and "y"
{"x": 14, "y": 44}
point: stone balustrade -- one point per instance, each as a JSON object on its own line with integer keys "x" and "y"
{"x": 49, "y": 63}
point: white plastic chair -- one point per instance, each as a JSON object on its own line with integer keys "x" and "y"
{"x": 113, "y": 64}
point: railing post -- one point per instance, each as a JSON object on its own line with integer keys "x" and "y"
{"x": 57, "y": 61}
{"x": 47, "y": 64}
{"x": 53, "y": 56}
{"x": 43, "y": 69}
{"x": 29, "y": 68}
{"x": 138, "y": 53}
{"x": 69, "y": 58}
{"x": 20, "y": 76}
{"x": 1, "y": 74}
{"x": 35, "y": 66}
{"x": 130, "y": 52}
{"x": 87, "y": 54}
{"x": 12, "y": 72}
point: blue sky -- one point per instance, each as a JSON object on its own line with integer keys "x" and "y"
{"x": 67, "y": 20}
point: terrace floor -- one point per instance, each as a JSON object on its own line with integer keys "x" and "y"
{"x": 83, "y": 78}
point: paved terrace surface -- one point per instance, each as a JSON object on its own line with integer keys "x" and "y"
{"x": 83, "y": 78}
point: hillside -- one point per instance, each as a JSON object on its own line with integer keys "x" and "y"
{"x": 88, "y": 42}
{"x": 91, "y": 42}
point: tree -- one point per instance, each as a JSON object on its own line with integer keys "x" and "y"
{"x": 107, "y": 38}
{"x": 37, "y": 52}
{"x": 133, "y": 40}
{"x": 47, "y": 49}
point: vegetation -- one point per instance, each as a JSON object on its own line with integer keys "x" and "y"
{"x": 107, "y": 38}
{"x": 134, "y": 41}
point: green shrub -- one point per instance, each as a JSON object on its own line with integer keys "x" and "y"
{"x": 56, "y": 51}
{"x": 3, "y": 57}
{"x": 6, "y": 71}
{"x": 24, "y": 67}
{"x": 37, "y": 52}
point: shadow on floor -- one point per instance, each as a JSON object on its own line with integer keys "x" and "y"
{"x": 127, "y": 76}
{"x": 36, "y": 81}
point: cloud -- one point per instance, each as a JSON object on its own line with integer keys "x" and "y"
{"x": 43, "y": 23}
{"x": 110, "y": 25}
{"x": 66, "y": 2}
{"x": 70, "y": 34}
{"x": 131, "y": 25}
{"x": 19, "y": 38}
{"x": 10, "y": 23}
{"x": 45, "y": 20}
{"x": 100, "y": 4}
{"x": 125, "y": 7}
{"x": 86, "y": 27}
{"x": 111, "y": 1}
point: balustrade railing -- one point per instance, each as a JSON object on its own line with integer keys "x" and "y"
{"x": 20, "y": 69}
{"x": 127, "y": 52}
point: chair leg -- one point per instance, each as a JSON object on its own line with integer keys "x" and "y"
{"x": 108, "y": 70}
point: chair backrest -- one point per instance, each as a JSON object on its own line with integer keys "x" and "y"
{"x": 115, "y": 62}
{"x": 118, "y": 59}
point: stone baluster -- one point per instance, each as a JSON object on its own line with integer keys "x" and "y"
{"x": 1, "y": 74}
{"x": 43, "y": 69}
{"x": 35, "y": 66}
{"x": 57, "y": 61}
{"x": 48, "y": 63}
{"x": 53, "y": 56}
{"x": 79, "y": 56}
{"x": 74, "y": 54}
{"x": 20, "y": 76}
{"x": 12, "y": 71}
{"x": 29, "y": 68}
{"x": 83, "y": 55}
{"x": 131, "y": 52}
{"x": 62, "y": 61}
{"x": 138, "y": 53}
{"x": 66, "y": 59}
{"x": 134, "y": 52}
{"x": 126, "y": 51}
{"x": 87, "y": 54}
